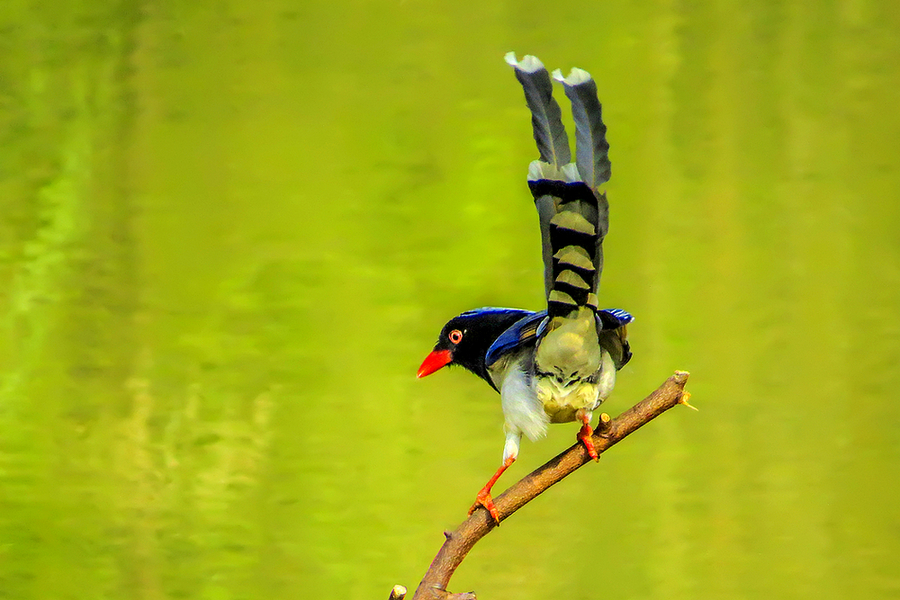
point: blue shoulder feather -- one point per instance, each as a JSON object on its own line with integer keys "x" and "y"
{"x": 522, "y": 332}
{"x": 614, "y": 317}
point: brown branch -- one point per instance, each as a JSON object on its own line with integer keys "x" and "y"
{"x": 608, "y": 433}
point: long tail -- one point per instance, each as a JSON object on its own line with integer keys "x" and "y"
{"x": 574, "y": 214}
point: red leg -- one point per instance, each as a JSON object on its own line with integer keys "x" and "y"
{"x": 484, "y": 496}
{"x": 584, "y": 435}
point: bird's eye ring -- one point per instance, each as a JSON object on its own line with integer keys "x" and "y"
{"x": 455, "y": 336}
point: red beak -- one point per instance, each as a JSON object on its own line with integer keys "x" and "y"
{"x": 433, "y": 362}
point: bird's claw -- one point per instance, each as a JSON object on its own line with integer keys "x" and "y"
{"x": 584, "y": 436}
{"x": 591, "y": 449}
{"x": 484, "y": 500}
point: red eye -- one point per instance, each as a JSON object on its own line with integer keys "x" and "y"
{"x": 455, "y": 336}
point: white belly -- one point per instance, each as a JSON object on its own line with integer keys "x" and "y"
{"x": 522, "y": 411}
{"x": 529, "y": 404}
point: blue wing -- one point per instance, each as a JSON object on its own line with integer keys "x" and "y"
{"x": 527, "y": 329}
{"x": 613, "y": 318}
{"x": 611, "y": 324}
{"x": 521, "y": 333}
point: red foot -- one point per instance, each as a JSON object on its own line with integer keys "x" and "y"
{"x": 484, "y": 496}
{"x": 584, "y": 436}
{"x": 484, "y": 499}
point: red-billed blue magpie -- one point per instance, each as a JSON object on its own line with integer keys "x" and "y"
{"x": 557, "y": 365}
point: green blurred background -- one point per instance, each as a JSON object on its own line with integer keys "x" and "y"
{"x": 230, "y": 231}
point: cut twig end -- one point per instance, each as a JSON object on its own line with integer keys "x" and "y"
{"x": 681, "y": 377}
{"x": 398, "y": 593}
{"x": 603, "y": 426}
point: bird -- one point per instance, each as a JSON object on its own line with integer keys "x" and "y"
{"x": 556, "y": 365}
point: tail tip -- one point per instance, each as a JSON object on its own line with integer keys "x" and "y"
{"x": 528, "y": 64}
{"x": 576, "y": 77}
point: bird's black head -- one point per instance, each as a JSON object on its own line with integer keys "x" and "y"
{"x": 465, "y": 340}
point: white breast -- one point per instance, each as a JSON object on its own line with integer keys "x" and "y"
{"x": 522, "y": 410}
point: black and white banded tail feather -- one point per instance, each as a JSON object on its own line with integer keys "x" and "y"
{"x": 574, "y": 214}
{"x": 575, "y": 231}
{"x": 591, "y": 147}
{"x": 546, "y": 117}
